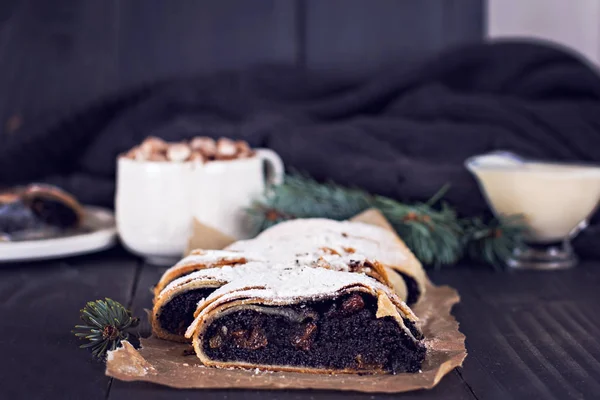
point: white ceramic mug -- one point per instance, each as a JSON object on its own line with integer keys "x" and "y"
{"x": 156, "y": 202}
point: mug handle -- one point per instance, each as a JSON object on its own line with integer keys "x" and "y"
{"x": 275, "y": 170}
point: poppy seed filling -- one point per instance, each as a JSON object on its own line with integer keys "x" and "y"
{"x": 337, "y": 334}
{"x": 177, "y": 314}
{"x": 54, "y": 212}
{"x": 412, "y": 288}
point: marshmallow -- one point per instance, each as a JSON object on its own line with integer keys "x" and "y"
{"x": 178, "y": 152}
{"x": 226, "y": 149}
{"x": 200, "y": 149}
{"x": 157, "y": 157}
{"x": 152, "y": 145}
{"x": 197, "y": 157}
{"x": 205, "y": 145}
{"x": 243, "y": 149}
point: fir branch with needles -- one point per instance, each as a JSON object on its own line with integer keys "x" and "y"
{"x": 432, "y": 230}
{"x": 494, "y": 241}
{"x": 105, "y": 324}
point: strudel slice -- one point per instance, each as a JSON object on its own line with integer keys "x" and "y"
{"x": 175, "y": 304}
{"x": 53, "y": 206}
{"x": 37, "y": 207}
{"x": 199, "y": 274}
{"x": 342, "y": 243}
{"x": 307, "y": 319}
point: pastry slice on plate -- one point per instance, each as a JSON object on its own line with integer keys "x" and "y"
{"x": 290, "y": 318}
{"x": 38, "y": 211}
{"x": 53, "y": 206}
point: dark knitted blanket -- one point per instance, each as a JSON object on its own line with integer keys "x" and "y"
{"x": 403, "y": 133}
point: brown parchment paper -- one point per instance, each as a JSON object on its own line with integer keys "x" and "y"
{"x": 175, "y": 364}
{"x": 207, "y": 238}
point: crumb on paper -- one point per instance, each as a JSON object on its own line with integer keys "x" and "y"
{"x": 133, "y": 370}
{"x": 126, "y": 360}
{"x": 189, "y": 352}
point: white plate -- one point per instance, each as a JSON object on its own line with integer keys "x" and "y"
{"x": 102, "y": 235}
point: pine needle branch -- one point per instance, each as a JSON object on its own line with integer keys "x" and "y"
{"x": 106, "y": 324}
{"x": 493, "y": 242}
{"x": 435, "y": 234}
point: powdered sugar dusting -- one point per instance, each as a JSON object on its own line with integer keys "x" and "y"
{"x": 223, "y": 274}
{"x": 338, "y": 242}
{"x": 215, "y": 256}
{"x": 312, "y": 242}
{"x": 281, "y": 281}
{"x": 209, "y": 257}
{"x": 296, "y": 282}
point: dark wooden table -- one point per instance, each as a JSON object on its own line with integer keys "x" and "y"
{"x": 530, "y": 335}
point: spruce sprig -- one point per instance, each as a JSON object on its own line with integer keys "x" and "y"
{"x": 302, "y": 197}
{"x": 433, "y": 235}
{"x": 493, "y": 242}
{"x": 432, "y": 231}
{"x": 106, "y": 324}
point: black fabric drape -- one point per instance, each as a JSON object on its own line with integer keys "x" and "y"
{"x": 403, "y": 133}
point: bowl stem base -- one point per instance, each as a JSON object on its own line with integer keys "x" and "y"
{"x": 543, "y": 257}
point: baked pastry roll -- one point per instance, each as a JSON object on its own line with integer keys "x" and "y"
{"x": 182, "y": 286}
{"x": 307, "y": 320}
{"x": 341, "y": 243}
{"x": 37, "y": 207}
{"x": 14, "y": 215}
{"x": 53, "y": 206}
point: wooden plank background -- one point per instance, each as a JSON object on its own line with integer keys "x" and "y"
{"x": 56, "y": 56}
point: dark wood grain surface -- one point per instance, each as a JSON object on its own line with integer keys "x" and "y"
{"x": 530, "y": 335}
